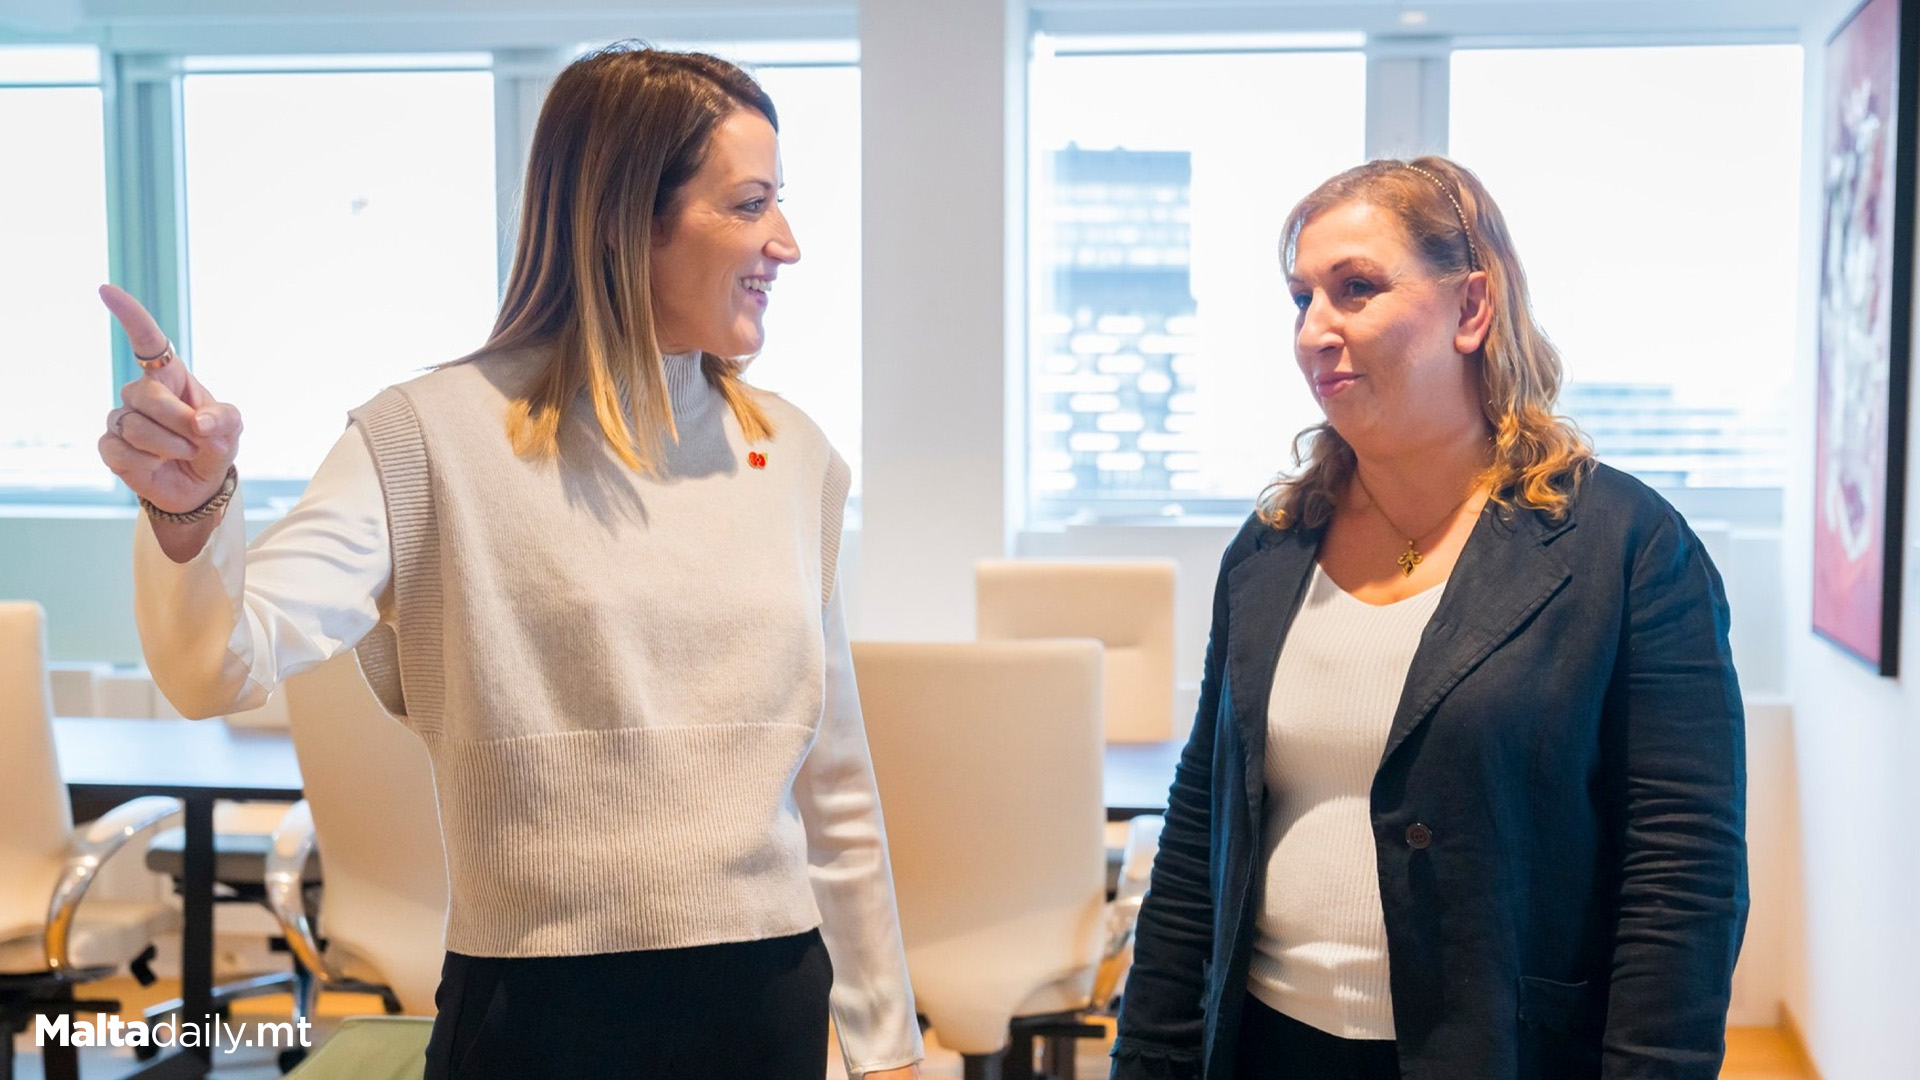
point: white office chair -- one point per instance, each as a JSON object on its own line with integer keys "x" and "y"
{"x": 1127, "y": 606}
{"x": 988, "y": 757}
{"x": 370, "y": 805}
{"x": 48, "y": 941}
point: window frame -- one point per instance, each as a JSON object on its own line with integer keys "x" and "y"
{"x": 1409, "y": 74}
{"x": 14, "y": 495}
{"x": 142, "y": 69}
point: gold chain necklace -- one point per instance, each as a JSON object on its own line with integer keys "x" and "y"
{"x": 1411, "y": 557}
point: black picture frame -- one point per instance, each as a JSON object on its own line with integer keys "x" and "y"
{"x": 1864, "y": 338}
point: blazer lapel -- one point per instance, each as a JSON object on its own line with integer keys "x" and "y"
{"x": 1505, "y": 573}
{"x": 1263, "y": 593}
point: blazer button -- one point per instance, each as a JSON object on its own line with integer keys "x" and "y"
{"x": 1418, "y": 836}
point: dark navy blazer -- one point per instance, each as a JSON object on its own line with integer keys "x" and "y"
{"x": 1557, "y": 815}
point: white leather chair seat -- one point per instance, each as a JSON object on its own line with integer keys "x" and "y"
{"x": 105, "y": 933}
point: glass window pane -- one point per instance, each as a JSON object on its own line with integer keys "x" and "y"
{"x": 341, "y": 237}
{"x": 1653, "y": 195}
{"x": 812, "y": 352}
{"x": 1161, "y": 376}
{"x": 53, "y": 255}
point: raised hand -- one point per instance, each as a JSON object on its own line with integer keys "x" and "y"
{"x": 169, "y": 440}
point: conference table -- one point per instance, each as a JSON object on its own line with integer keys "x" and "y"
{"x": 1137, "y": 776}
{"x": 106, "y": 761}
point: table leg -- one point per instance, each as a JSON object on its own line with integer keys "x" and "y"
{"x": 196, "y": 946}
{"x": 196, "y": 896}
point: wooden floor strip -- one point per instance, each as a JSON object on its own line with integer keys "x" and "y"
{"x": 1752, "y": 1053}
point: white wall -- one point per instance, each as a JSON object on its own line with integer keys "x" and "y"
{"x": 43, "y": 15}
{"x": 1853, "y": 982}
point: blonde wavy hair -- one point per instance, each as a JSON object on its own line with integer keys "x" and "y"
{"x": 621, "y": 133}
{"x": 1539, "y": 458}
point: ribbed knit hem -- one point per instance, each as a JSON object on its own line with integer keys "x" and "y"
{"x": 413, "y": 684}
{"x": 609, "y": 841}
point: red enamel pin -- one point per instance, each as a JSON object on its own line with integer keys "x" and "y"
{"x": 757, "y": 459}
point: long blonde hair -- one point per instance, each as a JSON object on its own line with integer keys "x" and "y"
{"x": 1539, "y": 458}
{"x": 620, "y": 134}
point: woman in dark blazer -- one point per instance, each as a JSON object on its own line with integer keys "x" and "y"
{"x": 1539, "y": 870}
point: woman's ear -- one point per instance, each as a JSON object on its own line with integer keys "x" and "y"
{"x": 1476, "y": 314}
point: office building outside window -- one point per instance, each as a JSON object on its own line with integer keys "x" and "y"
{"x": 1654, "y": 197}
{"x": 1161, "y": 380}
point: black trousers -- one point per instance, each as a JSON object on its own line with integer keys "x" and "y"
{"x": 1275, "y": 1046}
{"x": 752, "y": 1010}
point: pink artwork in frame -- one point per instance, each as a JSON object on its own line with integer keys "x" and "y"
{"x": 1865, "y": 312}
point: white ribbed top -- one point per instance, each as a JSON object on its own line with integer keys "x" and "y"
{"x": 1320, "y": 953}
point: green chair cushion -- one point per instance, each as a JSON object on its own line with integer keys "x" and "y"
{"x": 370, "y": 1048}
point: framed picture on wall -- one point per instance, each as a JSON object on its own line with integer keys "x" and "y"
{"x": 1865, "y": 319}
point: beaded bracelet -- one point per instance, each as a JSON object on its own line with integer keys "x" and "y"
{"x": 206, "y": 509}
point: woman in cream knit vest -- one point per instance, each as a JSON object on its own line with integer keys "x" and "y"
{"x": 593, "y": 570}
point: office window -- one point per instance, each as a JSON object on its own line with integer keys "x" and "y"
{"x": 1161, "y": 378}
{"x": 341, "y": 237}
{"x": 1653, "y": 194}
{"x": 53, "y": 254}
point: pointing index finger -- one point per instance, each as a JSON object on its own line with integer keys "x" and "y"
{"x": 142, "y": 332}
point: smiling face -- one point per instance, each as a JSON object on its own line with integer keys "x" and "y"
{"x": 716, "y": 252}
{"x": 1385, "y": 345}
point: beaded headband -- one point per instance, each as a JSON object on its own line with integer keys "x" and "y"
{"x": 1473, "y": 251}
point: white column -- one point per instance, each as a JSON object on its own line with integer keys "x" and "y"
{"x": 943, "y": 136}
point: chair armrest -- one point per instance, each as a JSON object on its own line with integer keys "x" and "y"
{"x": 135, "y": 818}
{"x": 1143, "y": 843}
{"x": 293, "y": 842}
{"x": 1117, "y": 956}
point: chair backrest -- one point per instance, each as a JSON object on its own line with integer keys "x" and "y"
{"x": 988, "y": 757}
{"x": 375, "y": 818}
{"x": 1127, "y": 606}
{"x": 38, "y": 826}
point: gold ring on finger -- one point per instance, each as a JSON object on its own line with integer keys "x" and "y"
{"x": 157, "y": 360}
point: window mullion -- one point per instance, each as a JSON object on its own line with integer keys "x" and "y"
{"x": 1407, "y": 88}
{"x": 521, "y": 79}
{"x": 146, "y": 214}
